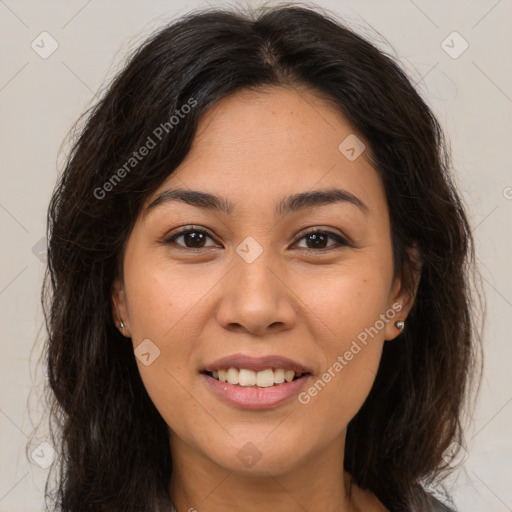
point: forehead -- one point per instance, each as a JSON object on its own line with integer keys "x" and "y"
{"x": 254, "y": 145}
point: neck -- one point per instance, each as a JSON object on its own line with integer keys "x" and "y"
{"x": 316, "y": 484}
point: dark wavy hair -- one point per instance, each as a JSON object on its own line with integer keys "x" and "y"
{"x": 112, "y": 443}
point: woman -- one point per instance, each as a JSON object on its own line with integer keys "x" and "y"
{"x": 259, "y": 278}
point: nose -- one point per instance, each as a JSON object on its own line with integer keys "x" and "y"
{"x": 256, "y": 298}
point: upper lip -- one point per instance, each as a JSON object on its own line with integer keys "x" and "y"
{"x": 256, "y": 363}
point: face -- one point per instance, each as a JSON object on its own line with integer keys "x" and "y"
{"x": 272, "y": 276}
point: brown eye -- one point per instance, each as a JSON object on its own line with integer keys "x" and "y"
{"x": 318, "y": 240}
{"x": 315, "y": 240}
{"x": 192, "y": 239}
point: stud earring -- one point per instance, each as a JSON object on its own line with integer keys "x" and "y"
{"x": 121, "y": 325}
{"x": 400, "y": 325}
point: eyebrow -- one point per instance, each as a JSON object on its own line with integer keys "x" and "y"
{"x": 285, "y": 206}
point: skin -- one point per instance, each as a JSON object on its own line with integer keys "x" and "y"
{"x": 296, "y": 299}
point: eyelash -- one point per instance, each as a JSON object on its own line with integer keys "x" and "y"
{"x": 335, "y": 236}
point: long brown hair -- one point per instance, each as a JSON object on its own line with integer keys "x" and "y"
{"x": 113, "y": 444}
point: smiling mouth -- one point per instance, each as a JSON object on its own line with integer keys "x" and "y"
{"x": 243, "y": 377}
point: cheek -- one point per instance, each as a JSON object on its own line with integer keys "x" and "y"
{"x": 164, "y": 299}
{"x": 168, "y": 313}
{"x": 351, "y": 313}
{"x": 168, "y": 306}
{"x": 347, "y": 300}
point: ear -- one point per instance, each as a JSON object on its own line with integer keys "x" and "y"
{"x": 120, "y": 308}
{"x": 403, "y": 293}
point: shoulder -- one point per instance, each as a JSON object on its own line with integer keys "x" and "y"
{"x": 364, "y": 499}
{"x": 434, "y": 505}
{"x": 423, "y": 502}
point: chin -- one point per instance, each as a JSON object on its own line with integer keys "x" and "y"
{"x": 257, "y": 456}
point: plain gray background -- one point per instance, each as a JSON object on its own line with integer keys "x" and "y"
{"x": 42, "y": 94}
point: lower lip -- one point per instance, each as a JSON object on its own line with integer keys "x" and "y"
{"x": 253, "y": 397}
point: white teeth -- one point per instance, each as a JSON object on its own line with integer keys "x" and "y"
{"x": 232, "y": 376}
{"x": 279, "y": 376}
{"x": 263, "y": 379}
{"x": 246, "y": 377}
{"x": 288, "y": 375}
